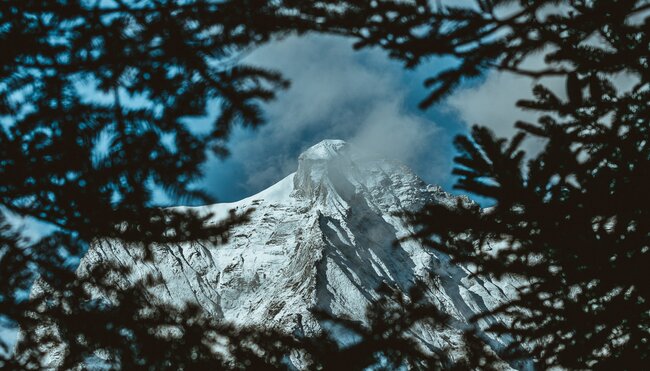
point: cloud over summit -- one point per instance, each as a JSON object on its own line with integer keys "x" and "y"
{"x": 335, "y": 92}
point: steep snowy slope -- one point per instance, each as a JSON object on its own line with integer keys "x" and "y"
{"x": 320, "y": 238}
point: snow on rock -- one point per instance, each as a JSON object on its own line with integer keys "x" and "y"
{"x": 322, "y": 237}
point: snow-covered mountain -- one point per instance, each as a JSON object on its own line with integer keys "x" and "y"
{"x": 323, "y": 237}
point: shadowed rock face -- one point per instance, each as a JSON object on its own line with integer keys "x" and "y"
{"x": 320, "y": 238}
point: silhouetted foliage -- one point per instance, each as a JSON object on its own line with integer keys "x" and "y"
{"x": 93, "y": 101}
{"x": 572, "y": 220}
{"x": 94, "y": 98}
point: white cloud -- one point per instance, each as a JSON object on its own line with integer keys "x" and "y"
{"x": 493, "y": 102}
{"x": 336, "y": 92}
{"x": 394, "y": 134}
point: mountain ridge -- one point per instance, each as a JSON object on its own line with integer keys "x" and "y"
{"x": 321, "y": 238}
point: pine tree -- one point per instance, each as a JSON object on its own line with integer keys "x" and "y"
{"x": 573, "y": 220}
{"x": 93, "y": 98}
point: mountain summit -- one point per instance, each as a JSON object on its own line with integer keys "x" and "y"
{"x": 323, "y": 237}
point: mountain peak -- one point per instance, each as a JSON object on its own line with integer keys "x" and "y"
{"x": 321, "y": 168}
{"x": 333, "y": 173}
{"x": 323, "y": 237}
{"x": 325, "y": 150}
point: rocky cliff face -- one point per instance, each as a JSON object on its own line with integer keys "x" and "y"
{"x": 322, "y": 237}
